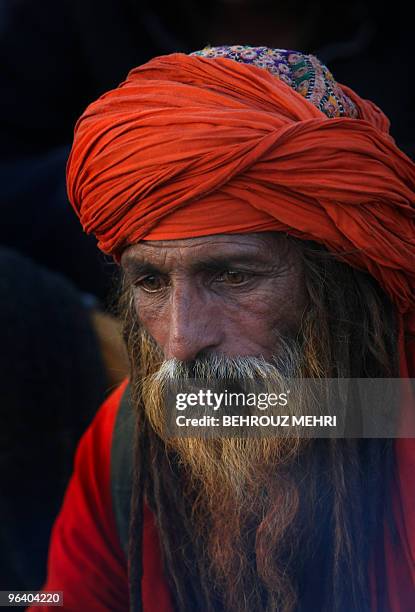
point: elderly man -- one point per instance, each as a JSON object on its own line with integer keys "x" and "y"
{"x": 264, "y": 220}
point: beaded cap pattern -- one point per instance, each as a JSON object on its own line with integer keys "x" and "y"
{"x": 304, "y": 73}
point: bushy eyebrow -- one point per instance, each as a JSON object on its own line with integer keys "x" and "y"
{"x": 134, "y": 268}
{"x": 222, "y": 262}
{"x": 137, "y": 267}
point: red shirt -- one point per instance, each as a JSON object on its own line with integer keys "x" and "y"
{"x": 87, "y": 563}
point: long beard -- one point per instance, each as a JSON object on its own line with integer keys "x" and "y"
{"x": 246, "y": 495}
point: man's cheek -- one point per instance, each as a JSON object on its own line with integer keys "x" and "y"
{"x": 150, "y": 317}
{"x": 148, "y": 305}
{"x": 260, "y": 306}
{"x": 259, "y": 320}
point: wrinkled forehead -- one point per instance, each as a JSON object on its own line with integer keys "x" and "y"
{"x": 228, "y": 248}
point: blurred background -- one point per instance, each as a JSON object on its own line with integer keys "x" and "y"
{"x": 61, "y": 350}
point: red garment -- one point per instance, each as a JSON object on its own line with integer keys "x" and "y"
{"x": 85, "y": 557}
{"x": 86, "y": 561}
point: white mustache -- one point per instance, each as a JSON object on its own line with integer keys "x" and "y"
{"x": 233, "y": 369}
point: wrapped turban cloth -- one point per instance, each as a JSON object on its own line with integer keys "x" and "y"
{"x": 242, "y": 139}
{"x": 246, "y": 139}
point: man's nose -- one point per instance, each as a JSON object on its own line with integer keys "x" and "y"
{"x": 193, "y": 325}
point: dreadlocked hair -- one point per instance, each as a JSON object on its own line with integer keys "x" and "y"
{"x": 339, "y": 488}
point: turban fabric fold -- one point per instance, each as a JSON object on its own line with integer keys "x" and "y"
{"x": 192, "y": 145}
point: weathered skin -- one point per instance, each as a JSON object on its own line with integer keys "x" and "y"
{"x": 229, "y": 294}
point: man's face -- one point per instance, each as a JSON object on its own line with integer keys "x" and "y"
{"x": 225, "y": 294}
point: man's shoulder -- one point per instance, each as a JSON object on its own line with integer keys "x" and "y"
{"x": 103, "y": 423}
{"x": 86, "y": 560}
{"x": 93, "y": 459}
{"x": 105, "y": 457}
{"x": 122, "y": 447}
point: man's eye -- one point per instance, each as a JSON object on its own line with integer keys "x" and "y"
{"x": 232, "y": 277}
{"x": 151, "y": 283}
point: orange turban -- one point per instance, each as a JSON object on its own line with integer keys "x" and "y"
{"x": 189, "y": 146}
